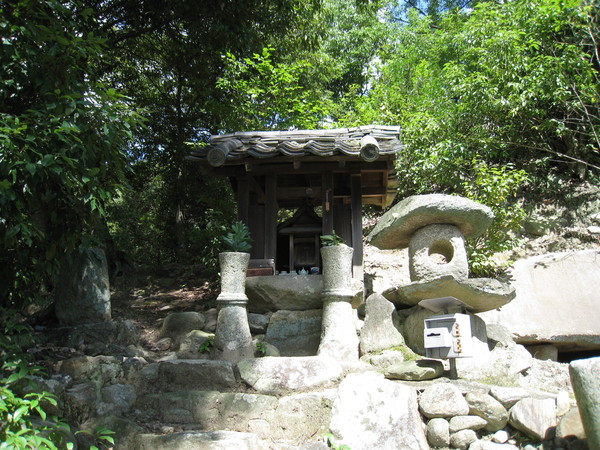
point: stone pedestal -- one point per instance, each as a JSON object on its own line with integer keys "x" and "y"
{"x": 233, "y": 341}
{"x": 338, "y": 332}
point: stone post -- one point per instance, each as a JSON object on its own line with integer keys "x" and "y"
{"x": 233, "y": 341}
{"x": 82, "y": 291}
{"x": 338, "y": 331}
{"x": 585, "y": 378}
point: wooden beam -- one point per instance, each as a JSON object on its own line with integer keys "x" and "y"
{"x": 298, "y": 192}
{"x": 327, "y": 189}
{"x": 308, "y": 166}
{"x": 357, "y": 241}
{"x": 271, "y": 217}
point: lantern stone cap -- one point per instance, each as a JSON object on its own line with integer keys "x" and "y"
{"x": 397, "y": 225}
{"x": 478, "y": 294}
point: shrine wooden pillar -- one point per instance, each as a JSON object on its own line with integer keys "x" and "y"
{"x": 327, "y": 193}
{"x": 271, "y": 216}
{"x": 357, "y": 241}
{"x": 243, "y": 199}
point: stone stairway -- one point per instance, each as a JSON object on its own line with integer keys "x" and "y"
{"x": 197, "y": 404}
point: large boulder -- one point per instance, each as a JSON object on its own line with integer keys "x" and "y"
{"x": 82, "y": 292}
{"x": 272, "y": 375}
{"x": 372, "y": 412}
{"x": 423, "y": 369}
{"x": 398, "y": 224}
{"x": 555, "y": 301}
{"x": 291, "y": 292}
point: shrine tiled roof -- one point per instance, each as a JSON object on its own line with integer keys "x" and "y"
{"x": 367, "y": 142}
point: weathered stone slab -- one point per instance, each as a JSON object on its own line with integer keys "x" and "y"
{"x": 290, "y": 292}
{"x": 423, "y": 369}
{"x": 480, "y": 294}
{"x": 380, "y": 329}
{"x": 534, "y": 417}
{"x": 200, "y": 440}
{"x": 301, "y": 416}
{"x": 585, "y": 376}
{"x": 295, "y": 333}
{"x": 271, "y": 375}
{"x": 372, "y": 412}
{"x": 384, "y": 359}
{"x": 555, "y": 301}
{"x": 508, "y": 396}
{"x": 82, "y": 292}
{"x": 398, "y": 224}
{"x": 196, "y": 374}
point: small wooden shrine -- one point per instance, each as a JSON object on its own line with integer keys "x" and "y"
{"x": 324, "y": 176}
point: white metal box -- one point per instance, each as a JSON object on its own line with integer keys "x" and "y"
{"x": 448, "y": 336}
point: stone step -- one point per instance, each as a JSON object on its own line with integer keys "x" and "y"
{"x": 200, "y": 374}
{"x": 200, "y": 440}
{"x": 296, "y": 417}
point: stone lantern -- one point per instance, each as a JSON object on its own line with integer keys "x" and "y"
{"x": 233, "y": 341}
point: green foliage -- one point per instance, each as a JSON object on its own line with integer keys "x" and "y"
{"x": 496, "y": 187}
{"x": 261, "y": 348}
{"x": 101, "y": 438}
{"x": 329, "y": 240}
{"x": 20, "y": 413}
{"x": 207, "y": 345}
{"x": 63, "y": 140}
{"x": 331, "y": 443}
{"x": 238, "y": 239}
{"x": 270, "y": 95}
{"x": 514, "y": 85}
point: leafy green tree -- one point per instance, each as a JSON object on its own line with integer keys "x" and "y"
{"x": 169, "y": 63}
{"x": 269, "y": 95}
{"x": 514, "y": 85}
{"x": 63, "y": 140}
{"x": 511, "y": 82}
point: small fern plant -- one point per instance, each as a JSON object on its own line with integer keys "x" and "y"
{"x": 332, "y": 239}
{"x": 238, "y": 239}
